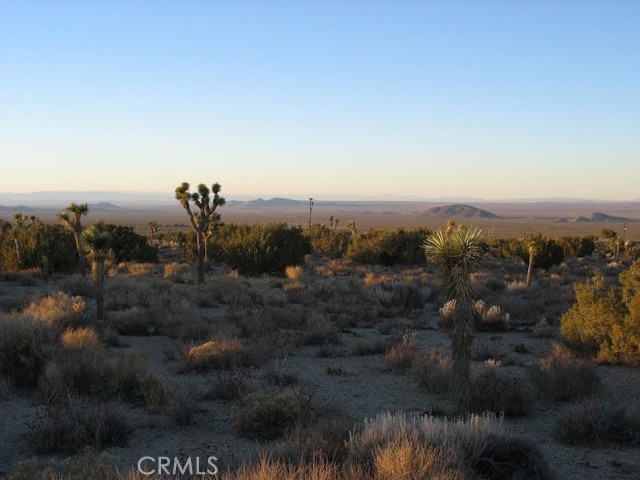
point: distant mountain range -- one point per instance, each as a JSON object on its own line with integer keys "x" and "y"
{"x": 262, "y": 203}
{"x": 458, "y": 211}
{"x": 601, "y": 217}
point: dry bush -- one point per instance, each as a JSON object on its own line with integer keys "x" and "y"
{"x": 25, "y": 347}
{"x": 320, "y": 331}
{"x": 294, "y": 273}
{"x": 15, "y": 302}
{"x": 490, "y": 319}
{"x": 76, "y": 425}
{"x": 176, "y": 271}
{"x": 543, "y": 329}
{"x": 268, "y": 416}
{"x": 409, "y": 459}
{"x": 125, "y": 370}
{"x": 599, "y": 423}
{"x": 337, "y": 268}
{"x": 401, "y": 355}
{"x": 85, "y": 338}
{"x": 292, "y": 287}
{"x": 267, "y": 468}
{"x": 400, "y": 295}
{"x": 564, "y": 377}
{"x": 447, "y": 312}
{"x": 141, "y": 269}
{"x": 492, "y": 390}
{"x": 361, "y": 348}
{"x": 57, "y": 308}
{"x": 226, "y": 387}
{"x": 476, "y": 447}
{"x": 373, "y": 280}
{"x": 124, "y": 293}
{"x": 78, "y": 371}
{"x": 139, "y": 320}
{"x": 483, "y": 349}
{"x": 154, "y": 390}
{"x": 222, "y": 353}
{"x": 77, "y": 285}
{"x": 434, "y": 371}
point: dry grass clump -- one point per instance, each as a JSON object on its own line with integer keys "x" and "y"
{"x": 141, "y": 269}
{"x": 543, "y": 329}
{"x": 601, "y": 422}
{"x": 26, "y": 345}
{"x": 139, "y": 320}
{"x": 401, "y": 355}
{"x": 400, "y": 295}
{"x": 320, "y": 331}
{"x": 15, "y": 302}
{"x": 564, "y": 377}
{"x": 57, "y": 308}
{"x": 267, "y": 415}
{"x": 125, "y": 370}
{"x": 75, "y": 425}
{"x": 492, "y": 390}
{"x": 488, "y": 319}
{"x": 85, "y": 338}
{"x": 475, "y": 447}
{"x": 295, "y": 273}
{"x": 361, "y": 347}
{"x": 373, "y": 280}
{"x": 222, "y": 353}
{"x": 176, "y": 271}
{"x": 125, "y": 293}
{"x": 434, "y": 371}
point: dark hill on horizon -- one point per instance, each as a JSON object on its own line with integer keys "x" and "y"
{"x": 459, "y": 211}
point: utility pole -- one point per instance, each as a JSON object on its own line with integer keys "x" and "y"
{"x": 310, "y": 208}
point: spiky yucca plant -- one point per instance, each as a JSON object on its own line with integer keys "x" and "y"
{"x": 154, "y": 228}
{"x": 456, "y": 254}
{"x": 200, "y": 220}
{"x": 71, "y": 217}
{"x": 97, "y": 239}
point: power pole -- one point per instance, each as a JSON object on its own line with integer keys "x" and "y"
{"x": 310, "y": 208}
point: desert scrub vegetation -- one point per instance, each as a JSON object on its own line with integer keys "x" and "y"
{"x": 76, "y": 424}
{"x": 564, "y": 377}
{"x": 221, "y": 353}
{"x": 268, "y": 415}
{"x": 84, "y": 338}
{"x": 486, "y": 319}
{"x": 58, "y": 308}
{"x": 494, "y": 390}
{"x": 601, "y": 422}
{"x": 605, "y": 320}
{"x": 386, "y": 247}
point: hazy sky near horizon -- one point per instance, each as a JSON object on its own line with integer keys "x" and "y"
{"x": 495, "y": 99}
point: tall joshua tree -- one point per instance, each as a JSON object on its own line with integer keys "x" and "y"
{"x": 204, "y": 217}
{"x": 456, "y": 255}
{"x": 23, "y": 222}
{"x": 153, "y": 229}
{"x": 71, "y": 217}
{"x": 98, "y": 239}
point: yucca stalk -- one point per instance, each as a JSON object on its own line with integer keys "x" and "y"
{"x": 456, "y": 254}
{"x": 98, "y": 239}
{"x": 72, "y": 219}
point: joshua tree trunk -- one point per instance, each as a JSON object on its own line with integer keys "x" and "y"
{"x": 201, "y": 248}
{"x": 18, "y": 252}
{"x": 461, "y": 352}
{"x": 97, "y": 272}
{"x": 532, "y": 256}
{"x": 81, "y": 259}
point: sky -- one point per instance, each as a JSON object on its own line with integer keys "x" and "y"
{"x": 490, "y": 99}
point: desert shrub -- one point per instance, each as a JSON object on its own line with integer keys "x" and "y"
{"x": 320, "y": 331}
{"x": 78, "y": 371}
{"x": 433, "y": 371}
{"x": 15, "y": 303}
{"x": 86, "y": 465}
{"x": 25, "y": 347}
{"x": 75, "y": 425}
{"x": 57, "y": 308}
{"x": 125, "y": 371}
{"x": 475, "y": 447}
{"x": 294, "y": 273}
{"x": 327, "y": 241}
{"x": 126, "y": 293}
{"x": 486, "y": 349}
{"x": 401, "y": 355}
{"x": 154, "y": 390}
{"x": 77, "y": 285}
{"x": 176, "y": 270}
{"x": 140, "y": 320}
{"x": 141, "y": 269}
{"x": 388, "y": 247}
{"x": 605, "y": 321}
{"x": 268, "y": 416}
{"x": 361, "y": 347}
{"x": 402, "y": 295}
{"x": 85, "y": 338}
{"x": 577, "y": 247}
{"x": 128, "y": 246}
{"x": 256, "y": 249}
{"x": 600, "y": 422}
{"x": 561, "y": 376}
{"x": 219, "y": 354}
{"x": 543, "y": 329}
{"x": 492, "y": 319}
{"x": 492, "y": 390}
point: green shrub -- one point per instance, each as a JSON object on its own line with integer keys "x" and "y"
{"x": 492, "y": 390}
{"x": 257, "y": 249}
{"x": 268, "y": 416}
{"x": 577, "y": 247}
{"x": 388, "y": 247}
{"x": 328, "y": 241}
{"x": 128, "y": 246}
{"x": 605, "y": 320}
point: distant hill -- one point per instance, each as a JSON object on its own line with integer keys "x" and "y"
{"x": 273, "y": 202}
{"x": 459, "y": 211}
{"x": 601, "y": 217}
{"x": 103, "y": 207}
{"x": 19, "y": 208}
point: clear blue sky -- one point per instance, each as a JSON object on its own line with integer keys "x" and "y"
{"x": 493, "y": 99}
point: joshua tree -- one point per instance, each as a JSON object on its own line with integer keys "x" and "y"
{"x": 310, "y": 208}
{"x": 153, "y": 229}
{"x": 98, "y": 238}
{"x": 456, "y": 255}
{"x": 214, "y": 224}
{"x": 22, "y": 224}
{"x": 200, "y": 220}
{"x": 72, "y": 219}
{"x": 532, "y": 257}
